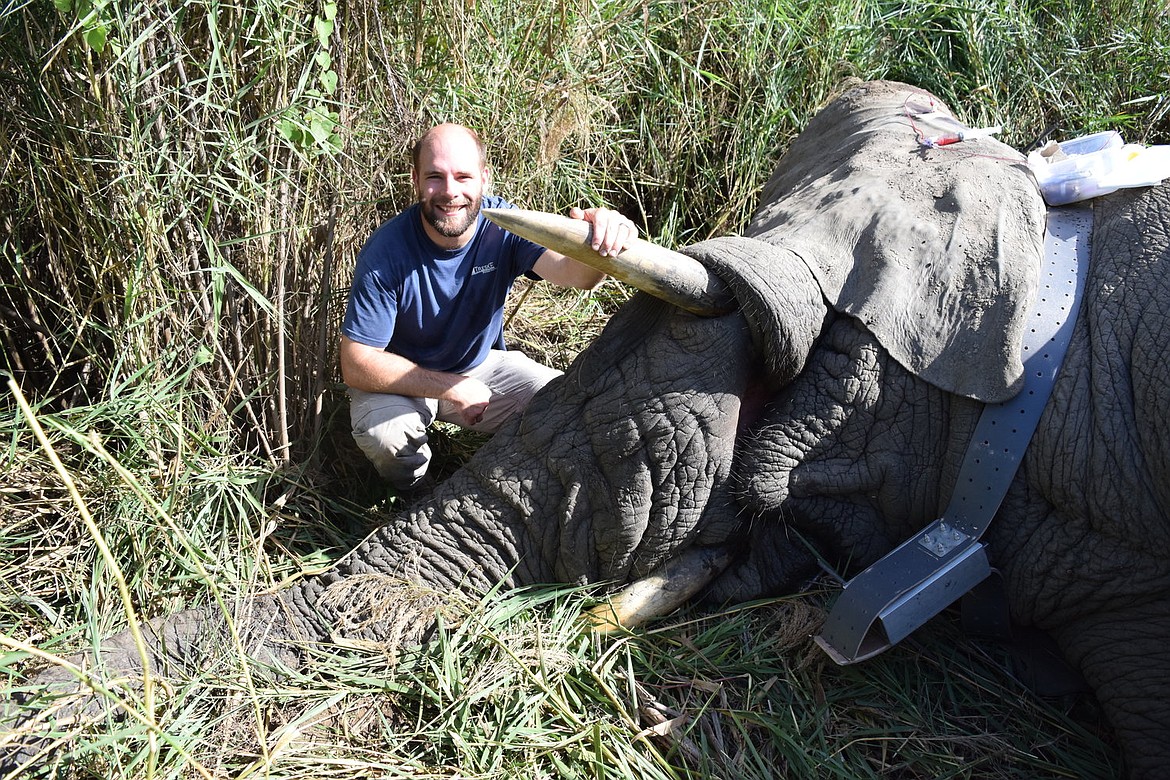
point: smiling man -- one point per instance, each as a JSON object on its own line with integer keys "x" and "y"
{"x": 423, "y": 332}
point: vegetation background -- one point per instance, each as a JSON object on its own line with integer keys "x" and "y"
{"x": 183, "y": 189}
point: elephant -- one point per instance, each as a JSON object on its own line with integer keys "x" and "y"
{"x": 819, "y": 375}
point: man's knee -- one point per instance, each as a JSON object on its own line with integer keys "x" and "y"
{"x": 392, "y": 432}
{"x": 401, "y": 466}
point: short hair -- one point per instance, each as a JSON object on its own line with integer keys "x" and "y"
{"x": 425, "y": 139}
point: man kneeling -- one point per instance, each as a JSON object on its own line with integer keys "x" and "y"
{"x": 422, "y": 338}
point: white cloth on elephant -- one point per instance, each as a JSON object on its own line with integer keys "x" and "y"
{"x": 392, "y": 429}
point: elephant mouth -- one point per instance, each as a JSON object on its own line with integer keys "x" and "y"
{"x": 688, "y": 285}
{"x": 671, "y": 276}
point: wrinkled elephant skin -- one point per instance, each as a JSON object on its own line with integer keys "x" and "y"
{"x": 881, "y": 293}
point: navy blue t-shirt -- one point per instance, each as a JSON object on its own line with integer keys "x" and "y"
{"x": 441, "y": 309}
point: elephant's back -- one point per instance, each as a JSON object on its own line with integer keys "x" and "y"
{"x": 1124, "y": 346}
{"x": 1089, "y": 514}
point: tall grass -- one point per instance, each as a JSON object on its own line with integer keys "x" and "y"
{"x": 184, "y": 185}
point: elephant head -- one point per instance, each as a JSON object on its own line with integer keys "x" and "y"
{"x": 822, "y": 373}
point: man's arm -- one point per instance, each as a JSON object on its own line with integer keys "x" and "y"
{"x": 377, "y": 371}
{"x": 611, "y": 234}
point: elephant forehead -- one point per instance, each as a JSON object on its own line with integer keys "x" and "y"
{"x": 936, "y": 250}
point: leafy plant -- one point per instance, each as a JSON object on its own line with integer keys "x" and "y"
{"x": 91, "y": 20}
{"x": 314, "y": 128}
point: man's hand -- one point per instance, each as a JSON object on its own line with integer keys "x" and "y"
{"x": 470, "y": 397}
{"x": 612, "y": 232}
{"x": 377, "y": 371}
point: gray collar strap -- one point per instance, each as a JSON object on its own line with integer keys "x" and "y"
{"x": 927, "y": 573}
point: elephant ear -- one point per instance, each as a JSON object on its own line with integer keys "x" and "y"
{"x": 777, "y": 294}
{"x": 937, "y": 250}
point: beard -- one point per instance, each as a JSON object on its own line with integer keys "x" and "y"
{"x": 451, "y": 226}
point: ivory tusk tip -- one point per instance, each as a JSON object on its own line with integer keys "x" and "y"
{"x": 664, "y": 273}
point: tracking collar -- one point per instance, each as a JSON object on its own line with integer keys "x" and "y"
{"x": 927, "y": 573}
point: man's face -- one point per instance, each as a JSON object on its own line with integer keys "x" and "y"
{"x": 449, "y": 183}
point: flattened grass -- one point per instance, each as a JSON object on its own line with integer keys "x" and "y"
{"x": 518, "y": 691}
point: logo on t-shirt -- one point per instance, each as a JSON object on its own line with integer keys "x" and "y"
{"x": 483, "y": 269}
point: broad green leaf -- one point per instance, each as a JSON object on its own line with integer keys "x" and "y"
{"x": 321, "y": 128}
{"x": 329, "y": 81}
{"x": 294, "y": 132}
{"x": 324, "y": 29}
{"x": 95, "y": 37}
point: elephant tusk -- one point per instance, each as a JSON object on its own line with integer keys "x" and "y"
{"x": 661, "y": 591}
{"x": 671, "y": 276}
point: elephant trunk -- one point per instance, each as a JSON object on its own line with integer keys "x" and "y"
{"x": 85, "y": 688}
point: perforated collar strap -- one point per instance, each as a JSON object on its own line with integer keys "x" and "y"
{"x": 892, "y": 598}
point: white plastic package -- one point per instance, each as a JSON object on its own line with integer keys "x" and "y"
{"x": 1097, "y": 164}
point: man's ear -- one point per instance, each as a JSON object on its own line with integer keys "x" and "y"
{"x": 487, "y": 180}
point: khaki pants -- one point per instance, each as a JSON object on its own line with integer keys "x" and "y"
{"x": 392, "y": 429}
